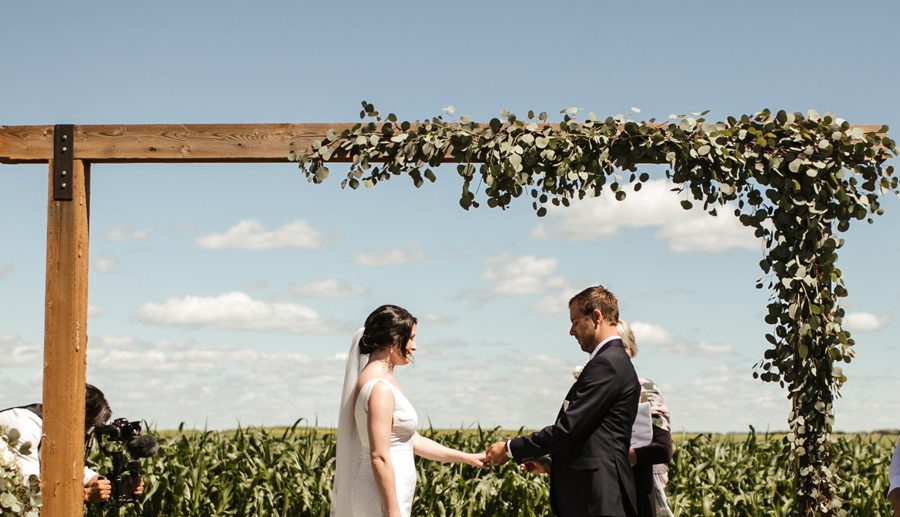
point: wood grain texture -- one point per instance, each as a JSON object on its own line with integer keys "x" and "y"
{"x": 252, "y": 143}
{"x": 65, "y": 349}
{"x": 166, "y": 142}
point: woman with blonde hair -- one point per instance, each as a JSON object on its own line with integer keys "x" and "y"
{"x": 648, "y": 463}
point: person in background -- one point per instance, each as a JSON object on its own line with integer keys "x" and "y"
{"x": 649, "y": 462}
{"x": 28, "y": 420}
{"x": 893, "y": 493}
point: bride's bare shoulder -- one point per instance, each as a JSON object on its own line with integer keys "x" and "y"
{"x": 365, "y": 377}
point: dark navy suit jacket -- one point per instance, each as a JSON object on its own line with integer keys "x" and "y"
{"x": 589, "y": 442}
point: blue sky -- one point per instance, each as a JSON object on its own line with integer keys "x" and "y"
{"x": 225, "y": 294}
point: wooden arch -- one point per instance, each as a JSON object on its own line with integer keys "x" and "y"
{"x": 69, "y": 151}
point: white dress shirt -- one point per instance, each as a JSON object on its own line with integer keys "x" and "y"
{"x": 29, "y": 426}
{"x": 894, "y": 472}
{"x": 601, "y": 345}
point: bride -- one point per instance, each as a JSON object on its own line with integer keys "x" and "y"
{"x": 375, "y": 474}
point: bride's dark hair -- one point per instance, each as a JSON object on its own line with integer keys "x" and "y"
{"x": 387, "y": 325}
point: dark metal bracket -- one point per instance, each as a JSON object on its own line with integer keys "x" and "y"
{"x": 63, "y": 160}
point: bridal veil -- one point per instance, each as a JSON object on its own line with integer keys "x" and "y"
{"x": 348, "y": 446}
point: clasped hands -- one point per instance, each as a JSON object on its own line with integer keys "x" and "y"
{"x": 496, "y": 454}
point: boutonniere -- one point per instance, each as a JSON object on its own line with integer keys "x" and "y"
{"x": 577, "y": 371}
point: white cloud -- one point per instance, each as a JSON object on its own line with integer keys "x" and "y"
{"x": 235, "y": 311}
{"x": 522, "y": 275}
{"x": 554, "y": 303}
{"x": 163, "y": 357}
{"x": 657, "y": 336}
{"x": 95, "y": 310}
{"x": 439, "y": 351}
{"x": 864, "y": 322}
{"x": 105, "y": 263}
{"x": 732, "y": 395}
{"x": 214, "y": 386}
{"x": 700, "y": 232}
{"x": 251, "y": 234}
{"x": 650, "y": 334}
{"x": 124, "y": 232}
{"x": 391, "y": 257}
{"x": 5, "y": 270}
{"x": 436, "y": 319}
{"x": 15, "y": 352}
{"x": 328, "y": 288}
{"x": 654, "y": 206}
{"x": 449, "y": 392}
{"x": 701, "y": 349}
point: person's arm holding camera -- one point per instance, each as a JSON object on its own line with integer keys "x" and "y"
{"x": 97, "y": 489}
{"x": 136, "y": 486}
{"x": 29, "y": 425}
{"x": 28, "y": 421}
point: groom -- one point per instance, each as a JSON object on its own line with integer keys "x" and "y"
{"x": 588, "y": 445}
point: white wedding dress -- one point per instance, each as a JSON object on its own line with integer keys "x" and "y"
{"x": 364, "y": 498}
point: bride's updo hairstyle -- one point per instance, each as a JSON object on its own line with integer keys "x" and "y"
{"x": 387, "y": 325}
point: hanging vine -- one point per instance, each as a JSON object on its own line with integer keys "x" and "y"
{"x": 797, "y": 180}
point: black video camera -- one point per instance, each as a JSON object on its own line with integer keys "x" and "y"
{"x": 119, "y": 430}
{"x": 125, "y": 434}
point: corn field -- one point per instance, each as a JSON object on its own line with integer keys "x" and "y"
{"x": 260, "y": 472}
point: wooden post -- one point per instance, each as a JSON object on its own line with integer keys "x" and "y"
{"x": 65, "y": 347}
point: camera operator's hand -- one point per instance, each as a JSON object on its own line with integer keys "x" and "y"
{"x": 97, "y": 490}
{"x": 135, "y": 486}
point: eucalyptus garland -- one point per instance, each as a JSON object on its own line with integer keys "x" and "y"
{"x": 797, "y": 180}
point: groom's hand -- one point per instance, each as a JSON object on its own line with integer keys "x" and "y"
{"x": 496, "y": 453}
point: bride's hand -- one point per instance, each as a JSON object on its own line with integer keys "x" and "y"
{"x": 475, "y": 459}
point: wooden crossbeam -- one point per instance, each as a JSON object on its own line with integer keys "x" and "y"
{"x": 171, "y": 143}
{"x": 174, "y": 143}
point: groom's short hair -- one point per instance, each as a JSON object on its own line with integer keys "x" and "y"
{"x": 597, "y": 297}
